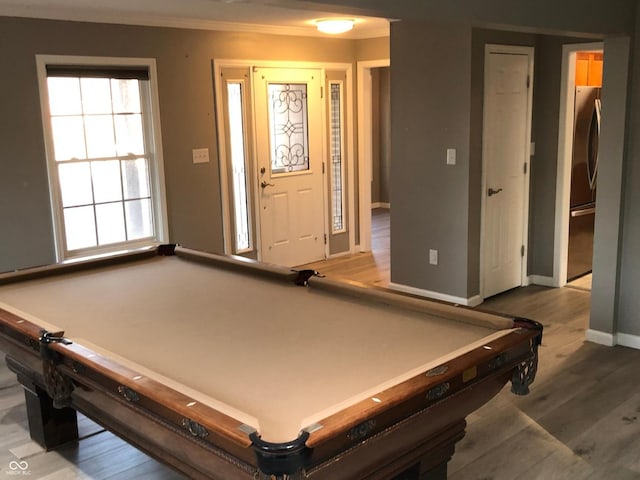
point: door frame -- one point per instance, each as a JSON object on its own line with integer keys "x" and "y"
{"x": 507, "y": 49}
{"x": 225, "y": 193}
{"x": 565, "y": 149}
{"x": 365, "y": 147}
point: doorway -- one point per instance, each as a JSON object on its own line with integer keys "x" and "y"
{"x": 366, "y": 147}
{"x": 506, "y": 148}
{"x": 564, "y": 267}
{"x": 279, "y": 189}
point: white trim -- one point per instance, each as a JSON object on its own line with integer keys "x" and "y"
{"x": 365, "y": 147}
{"x": 565, "y": 147}
{"x": 530, "y": 52}
{"x": 350, "y": 126}
{"x": 162, "y": 227}
{"x": 225, "y": 193}
{"x": 337, "y": 255}
{"x": 156, "y": 165}
{"x": 541, "y": 280}
{"x": 218, "y": 65}
{"x": 386, "y": 205}
{"x": 601, "y": 338}
{"x": 613, "y": 339}
{"x": 470, "y": 302}
{"x": 628, "y": 340}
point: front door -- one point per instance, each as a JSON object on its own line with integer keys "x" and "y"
{"x": 506, "y": 138}
{"x": 290, "y": 165}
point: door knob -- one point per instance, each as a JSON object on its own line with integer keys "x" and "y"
{"x": 491, "y": 191}
{"x": 264, "y": 184}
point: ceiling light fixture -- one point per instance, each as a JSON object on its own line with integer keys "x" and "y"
{"x": 335, "y": 26}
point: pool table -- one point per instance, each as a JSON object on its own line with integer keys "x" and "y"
{"x": 226, "y": 368}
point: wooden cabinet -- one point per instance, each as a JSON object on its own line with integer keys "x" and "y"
{"x": 589, "y": 69}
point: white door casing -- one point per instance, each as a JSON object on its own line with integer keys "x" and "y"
{"x": 365, "y": 139}
{"x": 565, "y": 149}
{"x": 506, "y": 146}
{"x": 291, "y": 200}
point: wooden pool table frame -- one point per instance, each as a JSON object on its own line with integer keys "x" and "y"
{"x": 411, "y": 437}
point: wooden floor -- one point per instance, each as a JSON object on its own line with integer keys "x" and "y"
{"x": 371, "y": 268}
{"x": 580, "y": 422}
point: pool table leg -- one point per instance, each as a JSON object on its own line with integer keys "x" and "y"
{"x": 49, "y": 427}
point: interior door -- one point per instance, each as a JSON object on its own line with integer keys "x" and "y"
{"x": 290, "y": 165}
{"x": 505, "y": 156}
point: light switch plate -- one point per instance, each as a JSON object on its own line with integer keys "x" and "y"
{"x": 451, "y": 156}
{"x": 200, "y": 155}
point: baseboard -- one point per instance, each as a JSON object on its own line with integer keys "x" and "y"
{"x": 601, "y": 338}
{"x": 627, "y": 340}
{"x": 380, "y": 205}
{"x": 542, "y": 280}
{"x": 342, "y": 254}
{"x": 469, "y": 302}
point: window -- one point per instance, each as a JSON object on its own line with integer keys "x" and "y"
{"x": 337, "y": 164}
{"x": 235, "y": 123}
{"x": 103, "y": 157}
{"x": 288, "y": 127}
{"x": 237, "y": 134}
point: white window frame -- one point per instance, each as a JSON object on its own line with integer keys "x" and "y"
{"x": 152, "y": 131}
{"x": 246, "y": 102}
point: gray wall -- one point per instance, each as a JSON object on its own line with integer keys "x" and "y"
{"x": 184, "y": 61}
{"x": 381, "y": 137}
{"x": 616, "y": 263}
{"x": 628, "y": 313}
{"x": 544, "y": 164}
{"x": 545, "y": 16}
{"x": 434, "y": 209}
{"x": 430, "y": 95}
{"x": 25, "y": 216}
{"x": 426, "y": 195}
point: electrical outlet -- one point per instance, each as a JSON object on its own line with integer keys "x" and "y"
{"x": 200, "y": 155}
{"x": 433, "y": 257}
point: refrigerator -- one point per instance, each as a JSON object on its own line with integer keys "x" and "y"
{"x": 584, "y": 176}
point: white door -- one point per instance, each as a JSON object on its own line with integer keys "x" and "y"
{"x": 290, "y": 165}
{"x": 506, "y": 140}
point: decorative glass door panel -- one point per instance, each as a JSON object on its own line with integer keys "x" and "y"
{"x": 288, "y": 122}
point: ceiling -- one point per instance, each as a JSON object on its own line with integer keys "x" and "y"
{"x": 229, "y": 15}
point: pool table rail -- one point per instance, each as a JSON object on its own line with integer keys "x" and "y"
{"x": 500, "y": 357}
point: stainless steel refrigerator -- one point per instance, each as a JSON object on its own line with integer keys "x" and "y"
{"x": 584, "y": 175}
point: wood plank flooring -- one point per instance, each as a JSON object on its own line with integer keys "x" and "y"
{"x": 372, "y": 268}
{"x": 580, "y": 422}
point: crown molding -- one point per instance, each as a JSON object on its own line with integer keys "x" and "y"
{"x": 76, "y": 15}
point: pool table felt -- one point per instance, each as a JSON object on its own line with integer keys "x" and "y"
{"x": 273, "y": 355}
